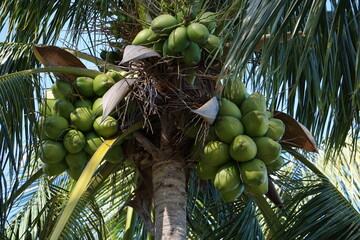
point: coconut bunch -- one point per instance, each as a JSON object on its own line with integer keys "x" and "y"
{"x": 70, "y": 125}
{"x": 247, "y": 148}
{"x": 183, "y": 35}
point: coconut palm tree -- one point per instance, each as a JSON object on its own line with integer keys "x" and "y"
{"x": 303, "y": 56}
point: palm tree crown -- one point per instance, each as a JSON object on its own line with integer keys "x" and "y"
{"x": 302, "y": 56}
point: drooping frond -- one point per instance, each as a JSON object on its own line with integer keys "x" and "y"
{"x": 313, "y": 76}
{"x": 40, "y": 22}
{"x": 343, "y": 172}
{"x": 100, "y": 211}
{"x": 320, "y": 212}
{"x": 16, "y": 57}
{"x": 43, "y": 21}
{"x": 18, "y": 97}
{"x": 34, "y": 213}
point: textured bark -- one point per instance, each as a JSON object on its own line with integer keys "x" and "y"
{"x": 169, "y": 195}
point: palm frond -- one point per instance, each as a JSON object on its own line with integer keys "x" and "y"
{"x": 343, "y": 172}
{"x": 43, "y": 22}
{"x": 105, "y": 198}
{"x": 16, "y": 57}
{"x": 313, "y": 208}
{"x": 320, "y": 212}
{"x": 40, "y": 23}
{"x": 18, "y": 103}
{"x": 34, "y": 212}
{"x": 209, "y": 217}
{"x": 311, "y": 77}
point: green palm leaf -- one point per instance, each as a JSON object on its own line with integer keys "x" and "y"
{"x": 311, "y": 81}
{"x": 313, "y": 76}
{"x": 210, "y": 217}
{"x": 17, "y": 121}
{"x": 16, "y": 57}
{"x": 326, "y": 215}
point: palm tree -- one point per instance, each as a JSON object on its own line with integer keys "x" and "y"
{"x": 302, "y": 55}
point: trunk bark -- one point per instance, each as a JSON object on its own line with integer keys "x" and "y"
{"x": 169, "y": 195}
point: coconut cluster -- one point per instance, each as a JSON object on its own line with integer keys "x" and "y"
{"x": 183, "y": 37}
{"x": 70, "y": 125}
{"x": 247, "y": 147}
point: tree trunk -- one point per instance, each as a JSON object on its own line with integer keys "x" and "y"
{"x": 169, "y": 195}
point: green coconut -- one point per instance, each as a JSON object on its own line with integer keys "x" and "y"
{"x": 213, "y": 45}
{"x": 142, "y": 37}
{"x": 158, "y": 46}
{"x": 117, "y": 76}
{"x": 253, "y": 172}
{"x": 211, "y": 135}
{"x": 93, "y": 142}
{"x": 191, "y": 55}
{"x": 275, "y": 165}
{"x": 235, "y": 91}
{"x": 115, "y": 154}
{"x": 62, "y": 89}
{"x": 163, "y": 24}
{"x": 83, "y": 103}
{"x": 267, "y": 149}
{"x": 102, "y": 83}
{"x": 276, "y": 129}
{"x": 215, "y": 153}
{"x": 52, "y": 151}
{"x": 106, "y": 128}
{"x": 74, "y": 173}
{"x": 82, "y": 118}
{"x": 178, "y": 40}
{"x": 232, "y": 195}
{"x": 46, "y": 105}
{"x": 255, "y": 123}
{"x": 76, "y": 160}
{"x": 152, "y": 37}
{"x": 97, "y": 107}
{"x": 55, "y": 127}
{"x": 227, "y": 128}
{"x": 198, "y": 33}
{"x": 255, "y": 102}
{"x": 74, "y": 141}
{"x": 62, "y": 107}
{"x": 206, "y": 171}
{"x": 243, "y": 148}
{"x": 269, "y": 114}
{"x": 166, "y": 50}
{"x": 84, "y": 86}
{"x": 227, "y": 178}
{"x": 40, "y": 128}
{"x": 228, "y": 108}
{"x": 53, "y": 169}
{"x": 259, "y": 190}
